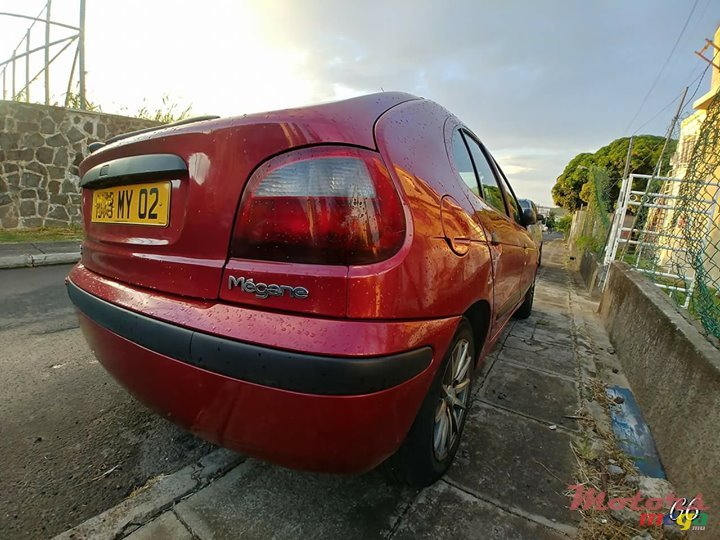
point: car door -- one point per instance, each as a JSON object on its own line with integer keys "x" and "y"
{"x": 486, "y": 198}
{"x": 523, "y": 236}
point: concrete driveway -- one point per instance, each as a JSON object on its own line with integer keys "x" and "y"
{"x": 507, "y": 482}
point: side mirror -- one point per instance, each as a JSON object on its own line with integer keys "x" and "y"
{"x": 529, "y": 217}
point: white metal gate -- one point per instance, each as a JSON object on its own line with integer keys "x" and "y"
{"x": 655, "y": 242}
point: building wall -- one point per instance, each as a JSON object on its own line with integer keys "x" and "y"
{"x": 557, "y": 211}
{"x": 689, "y": 131}
{"x": 40, "y": 150}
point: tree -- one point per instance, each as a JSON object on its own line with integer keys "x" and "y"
{"x": 564, "y": 223}
{"x": 550, "y": 221}
{"x": 568, "y": 189}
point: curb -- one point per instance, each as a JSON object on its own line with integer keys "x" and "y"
{"x": 158, "y": 495}
{"x": 40, "y": 259}
{"x": 627, "y": 431}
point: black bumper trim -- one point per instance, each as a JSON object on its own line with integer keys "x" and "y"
{"x": 287, "y": 370}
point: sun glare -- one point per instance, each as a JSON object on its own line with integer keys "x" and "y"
{"x": 220, "y": 61}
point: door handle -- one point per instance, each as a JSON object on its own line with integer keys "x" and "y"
{"x": 461, "y": 241}
{"x": 494, "y": 239}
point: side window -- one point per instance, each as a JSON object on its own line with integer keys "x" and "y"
{"x": 463, "y": 163}
{"x": 512, "y": 201}
{"x": 491, "y": 189}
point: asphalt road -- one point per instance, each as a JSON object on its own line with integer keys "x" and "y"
{"x": 64, "y": 423}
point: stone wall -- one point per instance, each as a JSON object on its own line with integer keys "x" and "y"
{"x": 40, "y": 150}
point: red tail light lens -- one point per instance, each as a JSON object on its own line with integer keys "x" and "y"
{"x": 323, "y": 205}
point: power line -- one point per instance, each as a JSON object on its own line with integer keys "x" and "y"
{"x": 700, "y": 79}
{"x": 662, "y": 69}
{"x": 700, "y": 18}
{"x": 688, "y": 103}
{"x": 656, "y": 115}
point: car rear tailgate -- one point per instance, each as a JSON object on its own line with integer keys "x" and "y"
{"x": 187, "y": 255}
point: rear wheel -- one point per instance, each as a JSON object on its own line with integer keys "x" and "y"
{"x": 525, "y": 310}
{"x": 433, "y": 440}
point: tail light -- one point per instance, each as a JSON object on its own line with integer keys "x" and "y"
{"x": 321, "y": 205}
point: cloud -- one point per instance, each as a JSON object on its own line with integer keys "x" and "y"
{"x": 562, "y": 77}
{"x": 511, "y": 169}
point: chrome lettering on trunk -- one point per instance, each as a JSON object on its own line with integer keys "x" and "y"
{"x": 264, "y": 290}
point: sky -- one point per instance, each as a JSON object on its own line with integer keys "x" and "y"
{"x": 537, "y": 81}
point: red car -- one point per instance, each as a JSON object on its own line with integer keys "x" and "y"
{"x": 313, "y": 287}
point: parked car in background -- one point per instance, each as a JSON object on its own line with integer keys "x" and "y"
{"x": 314, "y": 287}
{"x": 538, "y": 226}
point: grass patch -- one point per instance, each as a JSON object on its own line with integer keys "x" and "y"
{"x": 150, "y": 483}
{"x": 590, "y": 243}
{"x": 42, "y": 234}
{"x": 592, "y": 472}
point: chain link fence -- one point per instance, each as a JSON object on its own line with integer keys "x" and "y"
{"x": 668, "y": 228}
{"x": 694, "y": 226}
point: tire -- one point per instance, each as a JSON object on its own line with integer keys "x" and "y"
{"x": 525, "y": 309}
{"x": 429, "y": 449}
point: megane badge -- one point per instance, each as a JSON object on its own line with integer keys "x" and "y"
{"x": 264, "y": 290}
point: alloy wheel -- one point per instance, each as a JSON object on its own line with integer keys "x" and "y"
{"x": 454, "y": 398}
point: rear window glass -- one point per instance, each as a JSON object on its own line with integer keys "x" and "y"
{"x": 491, "y": 190}
{"x": 463, "y": 163}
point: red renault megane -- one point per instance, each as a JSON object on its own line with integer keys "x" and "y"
{"x": 314, "y": 287}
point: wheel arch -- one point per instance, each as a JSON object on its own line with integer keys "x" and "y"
{"x": 479, "y": 315}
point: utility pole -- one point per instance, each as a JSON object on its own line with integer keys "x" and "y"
{"x": 81, "y": 55}
{"x": 47, "y": 52}
{"x": 627, "y": 158}
{"x": 658, "y": 167}
{"x": 650, "y": 182}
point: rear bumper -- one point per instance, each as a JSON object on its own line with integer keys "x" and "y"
{"x": 287, "y": 370}
{"x": 324, "y": 412}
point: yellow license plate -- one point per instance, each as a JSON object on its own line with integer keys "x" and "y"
{"x": 138, "y": 204}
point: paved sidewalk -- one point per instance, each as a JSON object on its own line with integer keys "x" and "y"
{"x": 508, "y": 480}
{"x": 19, "y": 255}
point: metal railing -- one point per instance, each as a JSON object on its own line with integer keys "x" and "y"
{"x": 11, "y": 79}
